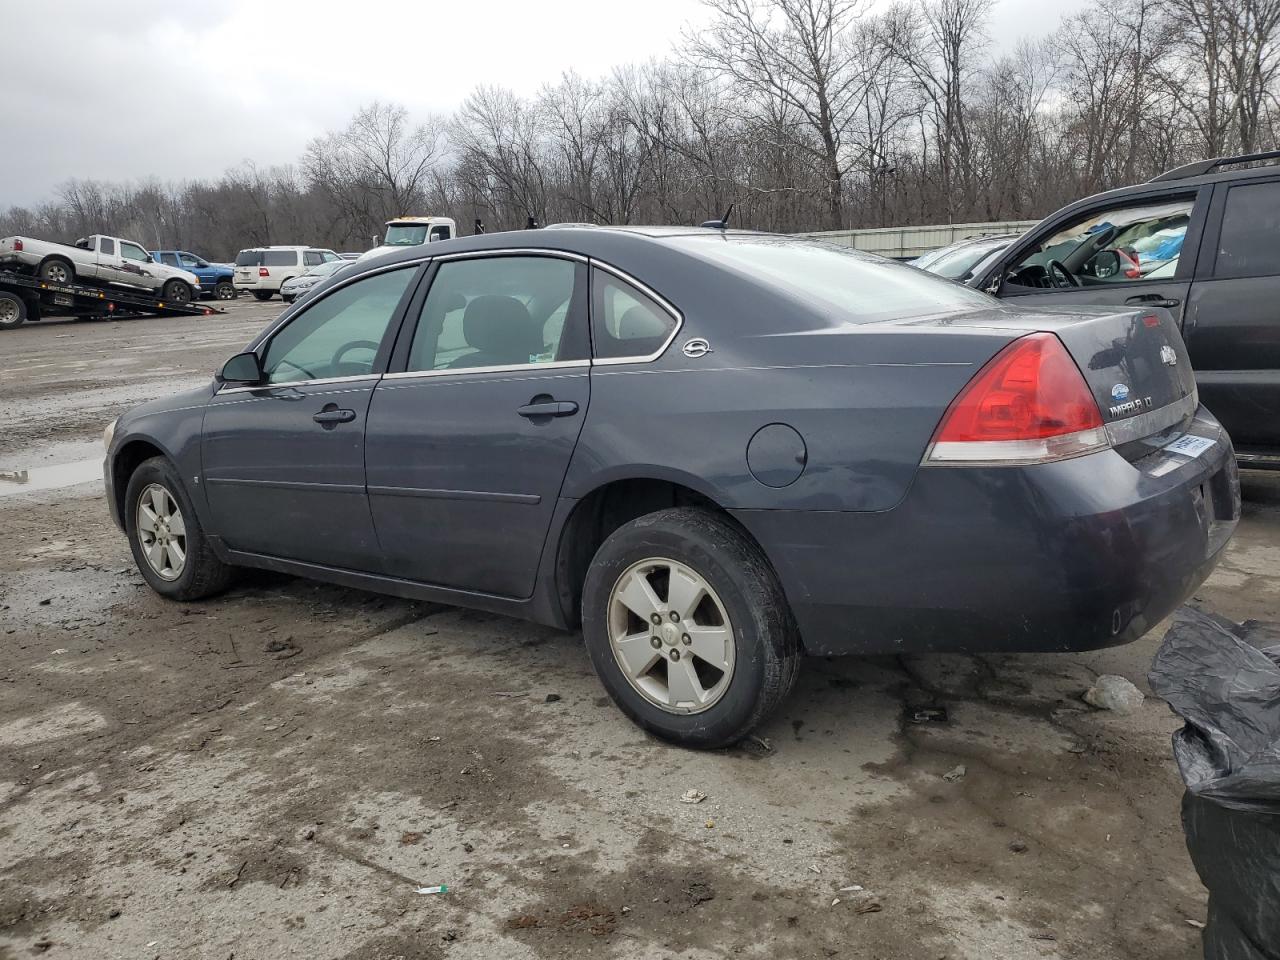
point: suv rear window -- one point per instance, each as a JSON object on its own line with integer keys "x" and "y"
{"x": 267, "y": 258}
{"x": 1250, "y": 223}
{"x": 863, "y": 288}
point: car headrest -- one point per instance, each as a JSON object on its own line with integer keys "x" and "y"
{"x": 501, "y": 329}
{"x": 639, "y": 323}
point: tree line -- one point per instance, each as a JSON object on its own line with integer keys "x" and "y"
{"x": 803, "y": 114}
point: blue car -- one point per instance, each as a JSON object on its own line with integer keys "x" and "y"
{"x": 215, "y": 278}
{"x": 713, "y": 451}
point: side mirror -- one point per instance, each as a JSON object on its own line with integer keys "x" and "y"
{"x": 1103, "y": 264}
{"x": 243, "y": 368}
{"x": 150, "y": 258}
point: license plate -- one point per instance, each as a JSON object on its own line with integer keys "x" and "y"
{"x": 1189, "y": 446}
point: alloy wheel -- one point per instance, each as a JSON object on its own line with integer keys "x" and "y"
{"x": 671, "y": 636}
{"x": 162, "y": 533}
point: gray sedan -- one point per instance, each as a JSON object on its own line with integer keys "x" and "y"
{"x": 713, "y": 451}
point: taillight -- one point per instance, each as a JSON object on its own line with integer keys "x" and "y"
{"x": 264, "y": 272}
{"x": 1028, "y": 404}
{"x": 17, "y": 246}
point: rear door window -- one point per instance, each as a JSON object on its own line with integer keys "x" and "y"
{"x": 107, "y": 246}
{"x": 1249, "y": 242}
{"x": 312, "y": 258}
{"x": 279, "y": 258}
{"x": 499, "y": 312}
{"x": 170, "y": 260}
{"x": 626, "y": 323}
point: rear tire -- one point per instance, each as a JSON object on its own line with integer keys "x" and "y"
{"x": 224, "y": 290}
{"x": 57, "y": 270}
{"x": 13, "y": 310}
{"x": 721, "y": 564}
{"x": 177, "y": 291}
{"x": 168, "y": 544}
{"x": 263, "y": 295}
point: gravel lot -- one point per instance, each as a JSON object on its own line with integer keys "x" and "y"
{"x": 275, "y": 772}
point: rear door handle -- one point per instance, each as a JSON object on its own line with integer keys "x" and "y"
{"x": 331, "y": 416}
{"x": 1154, "y": 300}
{"x": 548, "y": 408}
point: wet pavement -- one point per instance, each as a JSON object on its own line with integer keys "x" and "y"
{"x": 277, "y": 771}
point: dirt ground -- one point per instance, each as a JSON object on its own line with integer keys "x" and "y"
{"x": 274, "y": 773}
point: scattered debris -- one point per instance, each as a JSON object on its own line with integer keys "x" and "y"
{"x": 852, "y": 888}
{"x": 468, "y": 848}
{"x": 1046, "y": 935}
{"x": 711, "y": 824}
{"x": 955, "y": 773}
{"x": 835, "y": 902}
{"x": 762, "y": 743}
{"x": 692, "y": 796}
{"x": 1110, "y": 692}
{"x": 929, "y": 714}
{"x": 236, "y": 879}
{"x": 443, "y": 888}
{"x": 1198, "y": 924}
{"x": 699, "y": 891}
{"x": 552, "y": 698}
{"x": 1017, "y": 846}
{"x": 869, "y": 906}
{"x": 409, "y": 838}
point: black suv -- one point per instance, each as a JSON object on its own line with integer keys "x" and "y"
{"x": 1202, "y": 241}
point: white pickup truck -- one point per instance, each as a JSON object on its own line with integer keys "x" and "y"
{"x": 105, "y": 261}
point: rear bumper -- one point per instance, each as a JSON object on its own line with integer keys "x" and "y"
{"x": 1072, "y": 555}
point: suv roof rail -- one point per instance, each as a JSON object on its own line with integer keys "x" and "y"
{"x": 1201, "y": 167}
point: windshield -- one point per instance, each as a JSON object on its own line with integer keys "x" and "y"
{"x": 326, "y": 268}
{"x": 959, "y": 263}
{"x": 406, "y": 235}
{"x": 863, "y": 288}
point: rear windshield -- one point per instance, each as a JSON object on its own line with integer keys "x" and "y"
{"x": 861, "y": 287}
{"x": 267, "y": 258}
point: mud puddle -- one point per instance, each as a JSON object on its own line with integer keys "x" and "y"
{"x": 50, "y": 478}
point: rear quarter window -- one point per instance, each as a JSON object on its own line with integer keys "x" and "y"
{"x": 249, "y": 258}
{"x": 280, "y": 258}
{"x": 857, "y": 287}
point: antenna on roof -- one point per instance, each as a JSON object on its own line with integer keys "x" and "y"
{"x": 722, "y": 223}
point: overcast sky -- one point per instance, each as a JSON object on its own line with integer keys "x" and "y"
{"x": 127, "y": 90}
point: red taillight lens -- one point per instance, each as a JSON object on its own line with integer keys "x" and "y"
{"x": 1029, "y": 404}
{"x": 264, "y": 272}
{"x": 17, "y": 246}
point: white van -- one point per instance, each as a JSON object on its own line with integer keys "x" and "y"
{"x": 262, "y": 270}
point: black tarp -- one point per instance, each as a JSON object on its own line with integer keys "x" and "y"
{"x": 1223, "y": 679}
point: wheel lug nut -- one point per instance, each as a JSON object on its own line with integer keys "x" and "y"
{"x": 655, "y": 642}
{"x": 675, "y": 654}
{"x": 656, "y": 618}
{"x": 686, "y": 639}
{"x": 674, "y": 616}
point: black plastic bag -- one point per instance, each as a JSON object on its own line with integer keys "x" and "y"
{"x": 1223, "y": 679}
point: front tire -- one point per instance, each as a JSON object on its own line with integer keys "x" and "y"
{"x": 13, "y": 310}
{"x": 177, "y": 291}
{"x": 224, "y": 290}
{"x": 168, "y": 544}
{"x": 688, "y": 628}
{"x": 263, "y": 295}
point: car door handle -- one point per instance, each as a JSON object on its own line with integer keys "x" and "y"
{"x": 548, "y": 408}
{"x": 1154, "y": 300}
{"x": 332, "y": 415}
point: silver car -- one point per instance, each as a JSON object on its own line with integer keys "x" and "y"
{"x": 297, "y": 287}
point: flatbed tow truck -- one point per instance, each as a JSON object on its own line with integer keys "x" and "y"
{"x": 26, "y": 298}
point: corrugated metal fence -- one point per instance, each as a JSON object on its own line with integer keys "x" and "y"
{"x": 907, "y": 242}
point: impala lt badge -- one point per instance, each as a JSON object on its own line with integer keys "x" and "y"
{"x": 696, "y": 347}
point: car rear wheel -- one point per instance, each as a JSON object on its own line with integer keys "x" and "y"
{"x": 263, "y": 295}
{"x": 57, "y": 271}
{"x": 168, "y": 544}
{"x": 13, "y": 310}
{"x": 688, "y": 628}
{"x": 177, "y": 291}
{"x": 225, "y": 290}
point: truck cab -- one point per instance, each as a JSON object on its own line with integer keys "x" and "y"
{"x": 412, "y": 231}
{"x": 215, "y": 278}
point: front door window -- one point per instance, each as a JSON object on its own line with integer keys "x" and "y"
{"x": 338, "y": 336}
{"x": 1113, "y": 246}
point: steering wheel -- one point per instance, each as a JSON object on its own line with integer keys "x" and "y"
{"x": 1059, "y": 276}
{"x": 348, "y": 347}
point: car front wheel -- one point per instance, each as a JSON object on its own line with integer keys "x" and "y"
{"x": 177, "y": 291}
{"x": 688, "y": 628}
{"x": 168, "y": 544}
{"x": 263, "y": 295}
